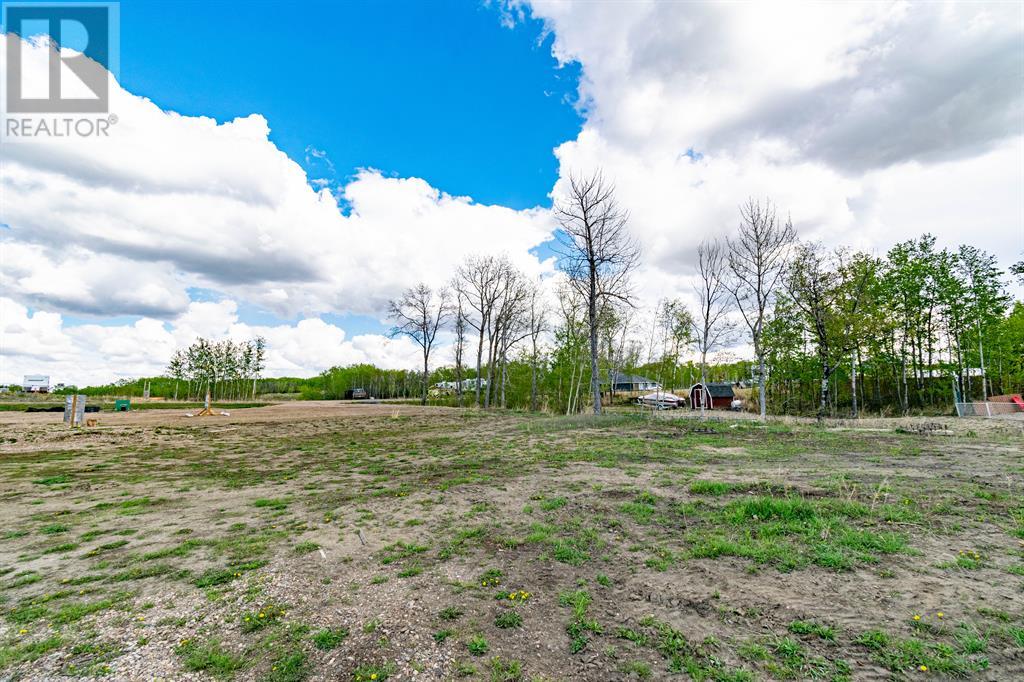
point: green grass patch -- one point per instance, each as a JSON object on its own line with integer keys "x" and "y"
{"x": 509, "y": 619}
{"x": 553, "y": 503}
{"x": 809, "y": 627}
{"x": 306, "y": 547}
{"x": 373, "y": 672}
{"x": 290, "y": 666}
{"x": 401, "y": 550}
{"x": 59, "y": 479}
{"x": 329, "y": 638}
{"x": 477, "y": 645}
{"x": 902, "y": 655}
{"x": 260, "y": 618}
{"x": 12, "y": 654}
{"x": 273, "y": 503}
{"x": 209, "y": 656}
{"x": 579, "y": 625}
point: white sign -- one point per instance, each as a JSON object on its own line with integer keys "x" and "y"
{"x": 74, "y": 410}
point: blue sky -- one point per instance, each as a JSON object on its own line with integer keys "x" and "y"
{"x": 440, "y": 90}
{"x": 437, "y": 90}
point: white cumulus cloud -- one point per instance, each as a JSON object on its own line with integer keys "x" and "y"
{"x": 868, "y": 123}
{"x": 38, "y": 342}
{"x": 174, "y": 201}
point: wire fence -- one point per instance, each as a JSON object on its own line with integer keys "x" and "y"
{"x": 987, "y": 409}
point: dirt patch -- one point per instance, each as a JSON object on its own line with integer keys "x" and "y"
{"x": 408, "y": 542}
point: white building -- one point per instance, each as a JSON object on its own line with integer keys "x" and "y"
{"x": 467, "y": 385}
{"x": 36, "y": 383}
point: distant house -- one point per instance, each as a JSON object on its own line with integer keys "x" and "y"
{"x": 624, "y": 383}
{"x": 713, "y": 396}
{"x": 452, "y": 386}
{"x": 36, "y": 383}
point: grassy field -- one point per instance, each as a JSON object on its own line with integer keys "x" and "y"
{"x": 362, "y": 542}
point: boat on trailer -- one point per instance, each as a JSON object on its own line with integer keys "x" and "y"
{"x": 660, "y": 400}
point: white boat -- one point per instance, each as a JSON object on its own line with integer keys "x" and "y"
{"x": 660, "y": 400}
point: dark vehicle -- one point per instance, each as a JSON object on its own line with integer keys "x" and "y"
{"x": 356, "y": 394}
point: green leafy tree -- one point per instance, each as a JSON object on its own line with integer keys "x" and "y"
{"x": 827, "y": 291}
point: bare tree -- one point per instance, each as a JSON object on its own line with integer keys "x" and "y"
{"x": 757, "y": 259}
{"x": 597, "y": 253}
{"x": 478, "y": 280}
{"x": 571, "y": 330}
{"x": 459, "y": 345}
{"x": 536, "y": 325}
{"x": 418, "y": 314}
{"x": 712, "y": 327}
{"x": 502, "y": 316}
{"x": 509, "y": 328}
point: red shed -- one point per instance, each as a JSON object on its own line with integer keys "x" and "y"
{"x": 715, "y": 396}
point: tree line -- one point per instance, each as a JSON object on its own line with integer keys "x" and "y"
{"x": 832, "y": 331}
{"x": 225, "y": 370}
{"x": 911, "y": 330}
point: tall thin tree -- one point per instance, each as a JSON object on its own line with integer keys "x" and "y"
{"x": 479, "y": 282}
{"x": 757, "y": 258}
{"x": 459, "y": 345}
{"x": 537, "y": 325}
{"x": 597, "y": 253}
{"x": 712, "y": 327}
{"x": 419, "y": 313}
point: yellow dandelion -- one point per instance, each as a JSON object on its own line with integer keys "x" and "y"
{"x": 917, "y": 617}
{"x": 940, "y": 614}
{"x": 22, "y": 631}
{"x": 373, "y": 676}
{"x": 263, "y": 615}
{"x": 923, "y": 668}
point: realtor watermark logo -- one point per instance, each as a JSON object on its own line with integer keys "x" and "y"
{"x": 59, "y": 60}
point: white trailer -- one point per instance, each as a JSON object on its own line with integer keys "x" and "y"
{"x": 36, "y": 383}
